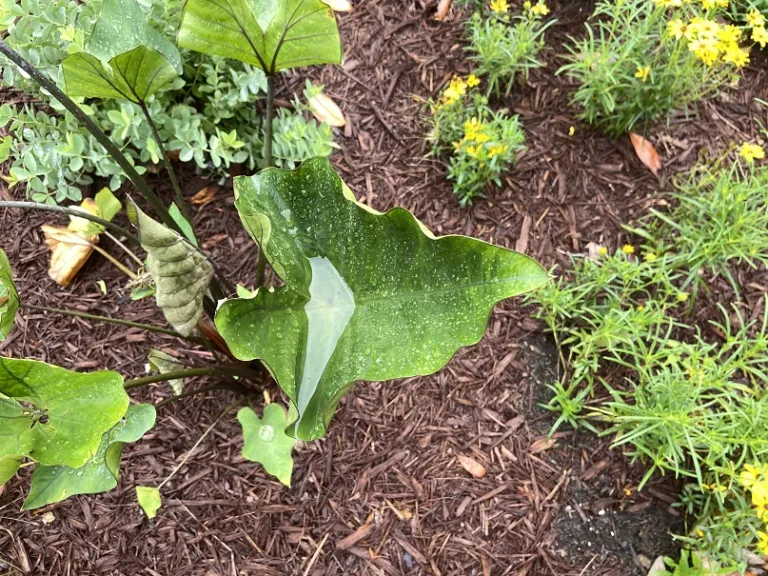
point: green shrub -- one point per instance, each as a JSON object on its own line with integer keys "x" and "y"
{"x": 638, "y": 63}
{"x": 678, "y": 399}
{"x": 504, "y": 48}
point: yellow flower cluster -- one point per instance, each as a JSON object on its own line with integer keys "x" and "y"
{"x": 754, "y": 477}
{"x": 457, "y": 88}
{"x": 538, "y": 9}
{"x": 756, "y": 21}
{"x": 751, "y": 152}
{"x": 475, "y": 136}
{"x": 706, "y": 4}
{"x": 499, "y": 6}
{"x": 711, "y": 41}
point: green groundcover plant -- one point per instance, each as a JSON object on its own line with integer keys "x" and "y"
{"x": 206, "y": 114}
{"x": 363, "y": 295}
{"x": 684, "y": 398}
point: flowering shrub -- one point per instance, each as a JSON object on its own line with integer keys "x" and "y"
{"x": 643, "y": 60}
{"x": 506, "y": 48}
{"x": 482, "y": 143}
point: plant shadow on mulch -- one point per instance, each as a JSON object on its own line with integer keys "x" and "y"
{"x": 383, "y": 493}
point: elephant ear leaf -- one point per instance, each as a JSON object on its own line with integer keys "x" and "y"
{"x": 53, "y": 415}
{"x": 124, "y": 58}
{"x": 9, "y": 298}
{"x": 181, "y": 273}
{"x": 272, "y": 35}
{"x": 367, "y": 296}
{"x": 52, "y": 484}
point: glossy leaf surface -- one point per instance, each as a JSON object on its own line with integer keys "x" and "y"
{"x": 367, "y": 296}
{"x": 55, "y": 483}
{"x": 273, "y": 35}
{"x": 56, "y": 416}
{"x": 265, "y": 441}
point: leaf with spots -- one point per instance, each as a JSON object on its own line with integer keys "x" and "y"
{"x": 124, "y": 58}
{"x": 367, "y": 296}
{"x": 265, "y": 441}
{"x": 9, "y": 298}
{"x": 52, "y": 484}
{"x": 181, "y": 273}
{"x": 272, "y": 35}
{"x": 56, "y": 416}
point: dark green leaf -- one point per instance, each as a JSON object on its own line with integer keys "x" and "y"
{"x": 55, "y": 483}
{"x": 56, "y": 416}
{"x": 265, "y": 441}
{"x": 272, "y": 35}
{"x": 368, "y": 296}
{"x": 180, "y": 272}
{"x": 9, "y": 298}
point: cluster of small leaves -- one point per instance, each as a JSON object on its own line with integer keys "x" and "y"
{"x": 685, "y": 404}
{"x": 505, "y": 48}
{"x": 632, "y": 72}
{"x": 207, "y": 116}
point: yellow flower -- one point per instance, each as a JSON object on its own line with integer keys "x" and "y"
{"x": 739, "y": 57}
{"x": 710, "y": 4}
{"x": 650, "y": 257}
{"x": 752, "y": 473}
{"x": 729, "y": 34}
{"x": 762, "y": 543}
{"x": 760, "y": 35}
{"x": 750, "y": 152}
{"x": 540, "y": 9}
{"x": 676, "y": 28}
{"x": 482, "y": 138}
{"x": 602, "y": 250}
{"x": 628, "y": 249}
{"x": 755, "y": 19}
{"x": 496, "y": 150}
{"x": 473, "y": 128}
{"x": 682, "y": 297}
{"x": 472, "y": 81}
{"x": 471, "y": 151}
{"x": 499, "y": 6}
{"x": 668, "y": 3}
{"x": 643, "y": 72}
{"x": 571, "y": 131}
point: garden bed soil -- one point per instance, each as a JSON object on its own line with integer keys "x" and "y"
{"x": 384, "y": 493}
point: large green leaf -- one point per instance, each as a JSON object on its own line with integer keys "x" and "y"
{"x": 367, "y": 296}
{"x": 55, "y": 483}
{"x": 56, "y": 416}
{"x": 273, "y": 35}
{"x": 265, "y": 441}
{"x": 181, "y": 273}
{"x": 9, "y": 298}
{"x": 8, "y": 467}
{"x": 125, "y": 57}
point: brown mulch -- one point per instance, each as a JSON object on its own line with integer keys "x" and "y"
{"x": 384, "y": 493}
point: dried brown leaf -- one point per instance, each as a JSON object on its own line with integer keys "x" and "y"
{"x": 472, "y": 466}
{"x": 204, "y": 196}
{"x": 326, "y": 110}
{"x": 646, "y": 152}
{"x": 69, "y": 252}
{"x": 542, "y": 444}
{"x": 442, "y": 9}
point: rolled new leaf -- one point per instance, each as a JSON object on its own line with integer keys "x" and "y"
{"x": 56, "y": 416}
{"x": 367, "y": 296}
{"x": 52, "y": 484}
{"x": 181, "y": 273}
{"x": 271, "y": 35}
{"x": 124, "y": 58}
{"x": 9, "y": 297}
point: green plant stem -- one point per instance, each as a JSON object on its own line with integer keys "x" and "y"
{"x": 97, "y": 133}
{"x": 86, "y": 316}
{"x": 261, "y": 264}
{"x": 220, "y": 370}
{"x": 124, "y": 248}
{"x": 79, "y": 212}
{"x": 168, "y": 167}
{"x": 233, "y": 386}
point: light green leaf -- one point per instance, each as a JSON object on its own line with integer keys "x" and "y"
{"x": 367, "y": 296}
{"x": 125, "y": 57}
{"x": 180, "y": 272}
{"x": 164, "y": 363}
{"x": 8, "y": 467}
{"x": 9, "y": 298}
{"x": 184, "y": 225}
{"x": 142, "y": 292}
{"x": 272, "y": 35}
{"x": 108, "y": 204}
{"x": 265, "y": 441}
{"x": 104, "y": 205}
{"x": 55, "y": 483}
{"x": 56, "y": 416}
{"x": 149, "y": 500}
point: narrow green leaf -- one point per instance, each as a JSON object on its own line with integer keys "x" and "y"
{"x": 184, "y": 225}
{"x": 180, "y": 272}
{"x": 9, "y": 298}
{"x": 265, "y": 441}
{"x": 367, "y": 296}
{"x": 9, "y": 465}
{"x": 272, "y": 35}
{"x": 55, "y": 483}
{"x": 164, "y": 363}
{"x": 56, "y": 416}
{"x": 149, "y": 500}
